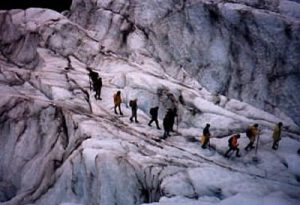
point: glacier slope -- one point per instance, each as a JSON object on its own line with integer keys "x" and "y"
{"x": 60, "y": 146}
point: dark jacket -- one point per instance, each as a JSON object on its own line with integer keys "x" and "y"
{"x": 167, "y": 122}
{"x": 206, "y": 132}
{"x": 154, "y": 112}
{"x": 133, "y": 104}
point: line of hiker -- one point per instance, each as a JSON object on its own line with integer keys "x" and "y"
{"x": 95, "y": 83}
{"x": 252, "y": 131}
{"x": 168, "y": 121}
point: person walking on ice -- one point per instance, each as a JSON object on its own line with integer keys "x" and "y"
{"x": 167, "y": 123}
{"x": 233, "y": 145}
{"x": 206, "y": 136}
{"x": 117, "y": 102}
{"x": 251, "y": 133}
{"x": 276, "y": 135}
{"x": 95, "y": 83}
{"x": 98, "y": 87}
{"x": 154, "y": 116}
{"x": 134, "y": 107}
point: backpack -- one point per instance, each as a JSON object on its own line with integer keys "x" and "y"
{"x": 230, "y": 140}
{"x": 248, "y": 132}
{"x": 152, "y": 111}
{"x": 93, "y": 75}
{"x": 131, "y": 103}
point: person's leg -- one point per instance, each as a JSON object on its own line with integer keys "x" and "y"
{"x": 100, "y": 93}
{"x": 205, "y": 143}
{"x": 166, "y": 134}
{"x": 116, "y": 109}
{"x": 135, "y": 116}
{"x": 226, "y": 154}
{"x": 131, "y": 117}
{"x": 156, "y": 122}
{"x": 120, "y": 109}
{"x": 249, "y": 146}
{"x": 237, "y": 152}
{"x": 97, "y": 96}
{"x": 150, "y": 122}
{"x": 275, "y": 145}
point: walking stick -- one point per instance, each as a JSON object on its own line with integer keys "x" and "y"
{"x": 255, "y": 158}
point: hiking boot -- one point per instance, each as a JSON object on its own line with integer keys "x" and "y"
{"x": 136, "y": 121}
{"x": 158, "y": 128}
{"x": 116, "y": 112}
{"x": 121, "y": 113}
{"x": 238, "y": 155}
{"x": 130, "y": 119}
{"x": 149, "y": 124}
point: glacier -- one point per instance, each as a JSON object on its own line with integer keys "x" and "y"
{"x": 234, "y": 63}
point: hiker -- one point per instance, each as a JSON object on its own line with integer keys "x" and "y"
{"x": 251, "y": 133}
{"x": 95, "y": 83}
{"x": 181, "y": 100}
{"x": 93, "y": 76}
{"x": 154, "y": 115}
{"x": 97, "y": 87}
{"x": 276, "y": 135}
{"x": 133, "y": 105}
{"x": 206, "y": 135}
{"x": 117, "y": 102}
{"x": 167, "y": 123}
{"x": 233, "y": 145}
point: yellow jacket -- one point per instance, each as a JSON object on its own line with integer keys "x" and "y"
{"x": 276, "y": 133}
{"x": 117, "y": 99}
{"x": 254, "y": 132}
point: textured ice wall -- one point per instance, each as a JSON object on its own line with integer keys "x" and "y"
{"x": 248, "y": 50}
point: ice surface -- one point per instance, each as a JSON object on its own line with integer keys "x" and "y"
{"x": 61, "y": 146}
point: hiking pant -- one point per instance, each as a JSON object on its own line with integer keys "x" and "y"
{"x": 250, "y": 145}
{"x": 166, "y": 134}
{"x": 233, "y": 149}
{"x": 206, "y": 141}
{"x": 167, "y": 131}
{"x": 119, "y": 106}
{"x": 133, "y": 115}
{"x": 154, "y": 120}
{"x": 275, "y": 144}
{"x": 98, "y": 93}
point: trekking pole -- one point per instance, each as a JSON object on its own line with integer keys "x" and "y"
{"x": 256, "y": 149}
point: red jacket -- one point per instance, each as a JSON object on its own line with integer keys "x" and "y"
{"x": 234, "y": 141}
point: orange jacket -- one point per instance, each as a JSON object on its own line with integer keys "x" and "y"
{"x": 234, "y": 141}
{"x": 117, "y": 99}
